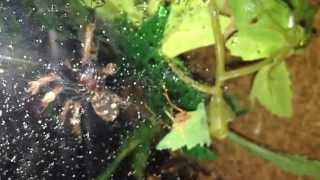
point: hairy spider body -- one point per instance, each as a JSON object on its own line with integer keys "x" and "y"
{"x": 88, "y": 85}
{"x": 84, "y": 82}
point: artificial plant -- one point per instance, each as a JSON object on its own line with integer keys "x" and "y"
{"x": 262, "y": 31}
{"x": 151, "y": 35}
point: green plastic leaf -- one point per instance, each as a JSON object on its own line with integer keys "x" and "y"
{"x": 201, "y": 153}
{"x": 140, "y": 160}
{"x": 140, "y": 45}
{"x": 193, "y": 132}
{"x": 138, "y": 141}
{"x": 264, "y": 27}
{"x": 189, "y": 27}
{"x": 272, "y": 88}
{"x": 142, "y": 42}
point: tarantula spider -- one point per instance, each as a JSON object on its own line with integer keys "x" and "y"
{"x": 86, "y": 82}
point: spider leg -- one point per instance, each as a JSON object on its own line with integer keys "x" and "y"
{"x": 34, "y": 86}
{"x": 70, "y": 117}
{"x": 36, "y": 106}
{"x": 51, "y": 95}
{"x": 88, "y": 50}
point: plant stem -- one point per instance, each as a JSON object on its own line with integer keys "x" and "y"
{"x": 188, "y": 80}
{"x": 123, "y": 154}
{"x": 293, "y": 163}
{"x": 219, "y": 40}
{"x": 246, "y": 70}
{"x": 277, "y": 57}
{"x": 221, "y": 75}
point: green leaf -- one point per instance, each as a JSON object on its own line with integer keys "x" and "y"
{"x": 141, "y": 43}
{"x": 243, "y": 11}
{"x": 201, "y": 153}
{"x": 259, "y": 13}
{"x": 256, "y": 44}
{"x": 192, "y": 132}
{"x": 272, "y": 88}
{"x": 264, "y": 27}
{"x": 189, "y": 27}
{"x": 112, "y": 9}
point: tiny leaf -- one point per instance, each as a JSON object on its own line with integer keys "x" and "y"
{"x": 192, "y": 132}
{"x": 272, "y": 88}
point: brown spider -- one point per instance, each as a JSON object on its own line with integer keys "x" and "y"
{"x": 105, "y": 103}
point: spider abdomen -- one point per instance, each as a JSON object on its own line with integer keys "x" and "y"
{"x": 106, "y": 104}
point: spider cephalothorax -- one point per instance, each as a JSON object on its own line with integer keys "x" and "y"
{"x": 87, "y": 83}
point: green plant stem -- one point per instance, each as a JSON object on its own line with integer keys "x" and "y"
{"x": 219, "y": 39}
{"x": 246, "y": 70}
{"x": 252, "y": 147}
{"x": 123, "y": 154}
{"x": 295, "y": 164}
{"x": 277, "y": 57}
{"x": 188, "y": 80}
{"x": 134, "y": 142}
{"x": 222, "y": 75}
